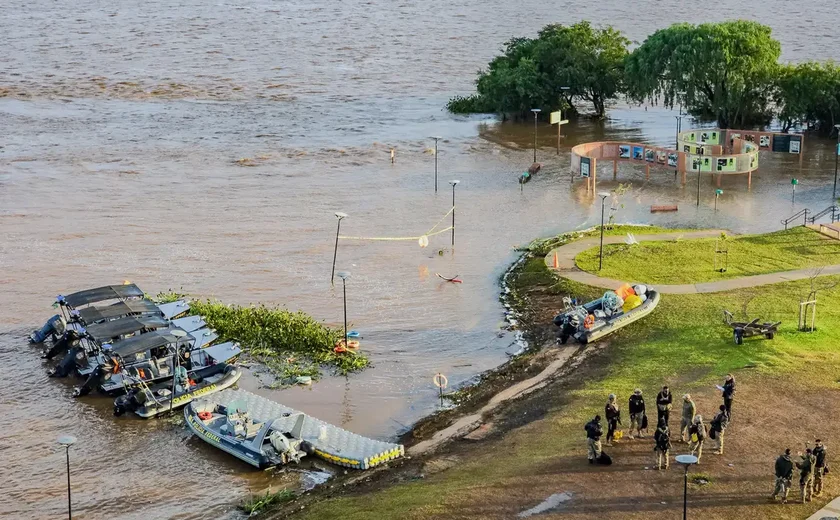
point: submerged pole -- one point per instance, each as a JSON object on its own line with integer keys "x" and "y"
{"x": 339, "y": 216}
{"x": 454, "y": 183}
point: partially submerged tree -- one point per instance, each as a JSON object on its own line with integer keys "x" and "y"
{"x": 808, "y": 94}
{"x": 723, "y": 71}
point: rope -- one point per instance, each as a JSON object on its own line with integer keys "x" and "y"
{"x": 429, "y": 233}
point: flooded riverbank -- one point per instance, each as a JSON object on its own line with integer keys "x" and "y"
{"x": 98, "y": 186}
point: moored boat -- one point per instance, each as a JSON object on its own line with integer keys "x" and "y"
{"x": 594, "y": 320}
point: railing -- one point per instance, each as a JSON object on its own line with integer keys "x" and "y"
{"x": 835, "y": 215}
{"x": 797, "y": 216}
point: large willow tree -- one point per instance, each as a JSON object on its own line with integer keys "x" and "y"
{"x": 722, "y": 71}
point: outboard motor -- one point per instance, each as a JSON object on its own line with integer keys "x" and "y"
{"x": 69, "y": 340}
{"x": 54, "y": 327}
{"x": 68, "y": 363}
{"x": 93, "y": 381}
{"x": 130, "y": 401}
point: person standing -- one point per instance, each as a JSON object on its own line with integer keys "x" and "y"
{"x": 689, "y": 410}
{"x": 637, "y": 413}
{"x": 820, "y": 468}
{"x": 729, "y": 393}
{"x": 663, "y": 405}
{"x": 662, "y": 444}
{"x": 696, "y": 437}
{"x": 806, "y": 475}
{"x": 593, "y": 438}
{"x": 613, "y": 415}
{"x": 718, "y": 426}
{"x": 784, "y": 474}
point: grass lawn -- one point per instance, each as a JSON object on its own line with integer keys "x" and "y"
{"x": 785, "y": 385}
{"x": 692, "y": 261}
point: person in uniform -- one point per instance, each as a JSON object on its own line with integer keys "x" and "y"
{"x": 613, "y": 415}
{"x": 820, "y": 467}
{"x": 637, "y": 413}
{"x": 689, "y": 410}
{"x": 696, "y": 437}
{"x": 806, "y": 475}
{"x": 729, "y": 393}
{"x": 662, "y": 444}
{"x": 593, "y": 438}
{"x": 784, "y": 474}
{"x": 663, "y": 405}
{"x": 718, "y": 427}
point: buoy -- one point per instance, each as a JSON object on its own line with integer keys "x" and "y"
{"x": 354, "y": 334}
{"x": 204, "y": 415}
{"x": 423, "y": 241}
{"x": 352, "y": 344}
{"x": 339, "y": 349}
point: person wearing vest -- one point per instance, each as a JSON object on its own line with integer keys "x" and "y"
{"x": 696, "y": 437}
{"x": 718, "y": 427}
{"x": 784, "y": 474}
{"x": 662, "y": 444}
{"x": 637, "y": 413}
{"x": 729, "y": 393}
{"x": 820, "y": 467}
{"x": 806, "y": 475}
{"x": 689, "y": 410}
{"x": 613, "y": 415}
{"x": 593, "y": 438}
{"x": 663, "y": 405}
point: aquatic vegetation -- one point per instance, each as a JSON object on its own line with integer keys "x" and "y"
{"x": 257, "y": 503}
{"x": 290, "y": 344}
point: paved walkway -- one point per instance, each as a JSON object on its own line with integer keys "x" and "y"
{"x": 831, "y": 511}
{"x": 566, "y": 260}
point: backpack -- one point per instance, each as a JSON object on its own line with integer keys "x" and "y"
{"x": 604, "y": 459}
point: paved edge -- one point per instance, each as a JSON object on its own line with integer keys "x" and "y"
{"x": 568, "y": 269}
{"x": 829, "y": 511}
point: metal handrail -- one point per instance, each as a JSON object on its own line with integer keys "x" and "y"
{"x": 835, "y": 214}
{"x": 795, "y": 216}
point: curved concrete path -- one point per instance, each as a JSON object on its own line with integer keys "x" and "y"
{"x": 566, "y": 260}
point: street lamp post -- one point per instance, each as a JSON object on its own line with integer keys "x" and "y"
{"x": 339, "y": 215}
{"x": 535, "y": 111}
{"x": 686, "y": 461}
{"x": 179, "y": 335}
{"x": 603, "y": 196}
{"x": 453, "y": 183}
{"x": 344, "y": 275}
{"x": 436, "y": 166}
{"x": 718, "y": 193}
{"x": 836, "y": 162}
{"x": 66, "y": 441}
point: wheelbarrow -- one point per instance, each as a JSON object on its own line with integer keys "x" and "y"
{"x": 743, "y": 329}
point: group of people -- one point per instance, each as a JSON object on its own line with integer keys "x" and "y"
{"x": 694, "y": 431}
{"x": 692, "y": 428}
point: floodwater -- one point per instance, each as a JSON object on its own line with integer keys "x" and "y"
{"x": 122, "y": 126}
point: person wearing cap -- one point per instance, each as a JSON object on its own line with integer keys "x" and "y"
{"x": 728, "y": 393}
{"x": 820, "y": 466}
{"x": 662, "y": 444}
{"x": 613, "y": 415}
{"x": 806, "y": 475}
{"x": 696, "y": 437}
{"x": 663, "y": 405}
{"x": 636, "y": 408}
{"x": 718, "y": 427}
{"x": 689, "y": 410}
{"x": 593, "y": 438}
{"x": 784, "y": 474}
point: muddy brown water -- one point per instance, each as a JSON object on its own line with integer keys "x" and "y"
{"x": 122, "y": 125}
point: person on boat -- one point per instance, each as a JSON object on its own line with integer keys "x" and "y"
{"x": 636, "y": 407}
{"x": 729, "y": 393}
{"x": 784, "y": 475}
{"x": 689, "y": 410}
{"x": 806, "y": 475}
{"x": 820, "y": 467}
{"x": 593, "y": 438}
{"x": 662, "y": 444}
{"x": 613, "y": 415}
{"x": 663, "y": 405}
{"x": 182, "y": 379}
{"x": 696, "y": 437}
{"x": 718, "y": 427}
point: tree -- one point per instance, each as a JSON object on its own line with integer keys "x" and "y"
{"x": 808, "y": 94}
{"x": 532, "y": 72}
{"x": 724, "y": 71}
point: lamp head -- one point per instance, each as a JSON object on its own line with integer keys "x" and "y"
{"x": 603, "y": 194}
{"x": 565, "y": 88}
{"x": 536, "y": 111}
{"x": 339, "y": 215}
{"x": 344, "y": 275}
{"x": 178, "y": 333}
{"x": 687, "y": 460}
{"x": 436, "y": 137}
{"x": 454, "y": 182}
{"x": 66, "y": 440}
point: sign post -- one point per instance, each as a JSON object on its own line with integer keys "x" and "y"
{"x": 557, "y": 119}
{"x": 793, "y": 183}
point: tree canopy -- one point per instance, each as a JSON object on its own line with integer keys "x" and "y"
{"x": 724, "y": 71}
{"x": 808, "y": 94}
{"x": 532, "y": 72}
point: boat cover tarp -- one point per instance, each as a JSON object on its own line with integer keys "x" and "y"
{"x": 93, "y": 314}
{"x": 101, "y": 294}
{"x": 111, "y": 329}
{"x": 330, "y": 442}
{"x": 149, "y": 340}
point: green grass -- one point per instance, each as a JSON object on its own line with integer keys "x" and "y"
{"x": 684, "y": 343}
{"x": 256, "y": 504}
{"x": 542, "y": 246}
{"x": 692, "y": 261}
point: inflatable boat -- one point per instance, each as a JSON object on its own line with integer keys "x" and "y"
{"x": 594, "y": 320}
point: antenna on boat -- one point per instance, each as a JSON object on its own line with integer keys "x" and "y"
{"x": 179, "y": 334}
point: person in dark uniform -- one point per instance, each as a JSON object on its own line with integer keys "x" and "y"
{"x": 593, "y": 439}
{"x": 613, "y": 415}
{"x": 637, "y": 413}
{"x": 819, "y": 467}
{"x": 784, "y": 475}
{"x": 663, "y": 405}
{"x": 729, "y": 393}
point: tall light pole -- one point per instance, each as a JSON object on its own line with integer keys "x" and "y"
{"x": 679, "y": 129}
{"x": 453, "y": 183}
{"x": 535, "y": 111}
{"x": 344, "y": 275}
{"x": 836, "y": 161}
{"x": 603, "y": 196}
{"x": 66, "y": 441}
{"x": 718, "y": 193}
{"x": 340, "y": 216}
{"x": 436, "y": 152}
{"x": 686, "y": 460}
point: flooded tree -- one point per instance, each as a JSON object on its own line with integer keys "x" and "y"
{"x": 808, "y": 94}
{"x": 722, "y": 71}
